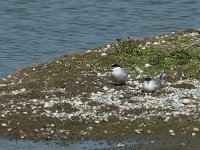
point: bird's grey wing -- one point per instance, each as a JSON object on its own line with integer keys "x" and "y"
{"x": 157, "y": 83}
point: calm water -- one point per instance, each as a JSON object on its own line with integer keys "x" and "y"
{"x": 35, "y": 31}
{"x": 6, "y": 144}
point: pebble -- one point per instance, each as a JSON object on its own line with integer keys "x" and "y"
{"x": 193, "y": 134}
{"x": 97, "y": 121}
{"x": 36, "y": 130}
{"x": 23, "y": 90}
{"x": 88, "y": 51}
{"x": 147, "y": 65}
{"x": 53, "y": 125}
{"x": 144, "y": 47}
{"x": 105, "y": 132}
{"x": 22, "y": 137}
{"x": 156, "y": 43}
{"x": 103, "y": 54}
{"x": 137, "y": 131}
{"x": 90, "y": 128}
{"x": 148, "y": 43}
{"x": 196, "y": 129}
{"x": 52, "y": 131}
{"x": 149, "y": 131}
{"x": 108, "y": 46}
{"x": 120, "y": 145}
{"x": 183, "y": 144}
{"x": 34, "y": 100}
{"x": 105, "y": 88}
{"x": 172, "y": 132}
{"x": 49, "y": 104}
{"x": 152, "y": 142}
{"x": 3, "y": 124}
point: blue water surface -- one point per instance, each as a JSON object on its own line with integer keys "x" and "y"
{"x": 6, "y": 144}
{"x": 36, "y": 31}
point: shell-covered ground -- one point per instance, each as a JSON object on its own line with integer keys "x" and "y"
{"x": 73, "y": 97}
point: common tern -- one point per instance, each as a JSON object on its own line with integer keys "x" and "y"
{"x": 119, "y": 75}
{"x": 152, "y": 84}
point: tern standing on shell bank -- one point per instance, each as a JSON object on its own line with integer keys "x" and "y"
{"x": 151, "y": 85}
{"x": 119, "y": 75}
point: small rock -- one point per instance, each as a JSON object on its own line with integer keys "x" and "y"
{"x": 195, "y": 129}
{"x": 149, "y": 131}
{"x": 108, "y": 46}
{"x": 61, "y": 131}
{"x": 152, "y": 142}
{"x": 163, "y": 41}
{"x": 90, "y": 128}
{"x": 88, "y": 51}
{"x": 103, "y": 54}
{"x": 23, "y": 90}
{"x": 101, "y": 74}
{"x": 167, "y": 119}
{"x": 137, "y": 131}
{"x": 172, "y": 134}
{"x": 53, "y": 125}
{"x": 52, "y": 131}
{"x": 147, "y": 65}
{"x": 49, "y": 104}
{"x": 120, "y": 145}
{"x": 193, "y": 134}
{"x": 148, "y": 43}
{"x": 3, "y": 124}
{"x": 144, "y": 47}
{"x": 15, "y": 92}
{"x": 183, "y": 144}
{"x": 22, "y": 137}
{"x": 97, "y": 121}
{"x": 36, "y": 130}
{"x": 156, "y": 43}
{"x": 34, "y": 100}
{"x": 105, "y": 88}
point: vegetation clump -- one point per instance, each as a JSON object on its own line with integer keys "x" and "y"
{"x": 173, "y": 53}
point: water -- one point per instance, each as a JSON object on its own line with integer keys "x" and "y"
{"x": 45, "y": 145}
{"x": 35, "y": 31}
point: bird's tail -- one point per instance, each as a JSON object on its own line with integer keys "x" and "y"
{"x": 162, "y": 75}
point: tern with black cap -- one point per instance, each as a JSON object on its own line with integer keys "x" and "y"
{"x": 119, "y": 75}
{"x": 152, "y": 84}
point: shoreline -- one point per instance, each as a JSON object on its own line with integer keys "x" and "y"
{"x": 72, "y": 97}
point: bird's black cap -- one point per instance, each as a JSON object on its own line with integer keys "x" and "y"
{"x": 115, "y": 65}
{"x": 147, "y": 79}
